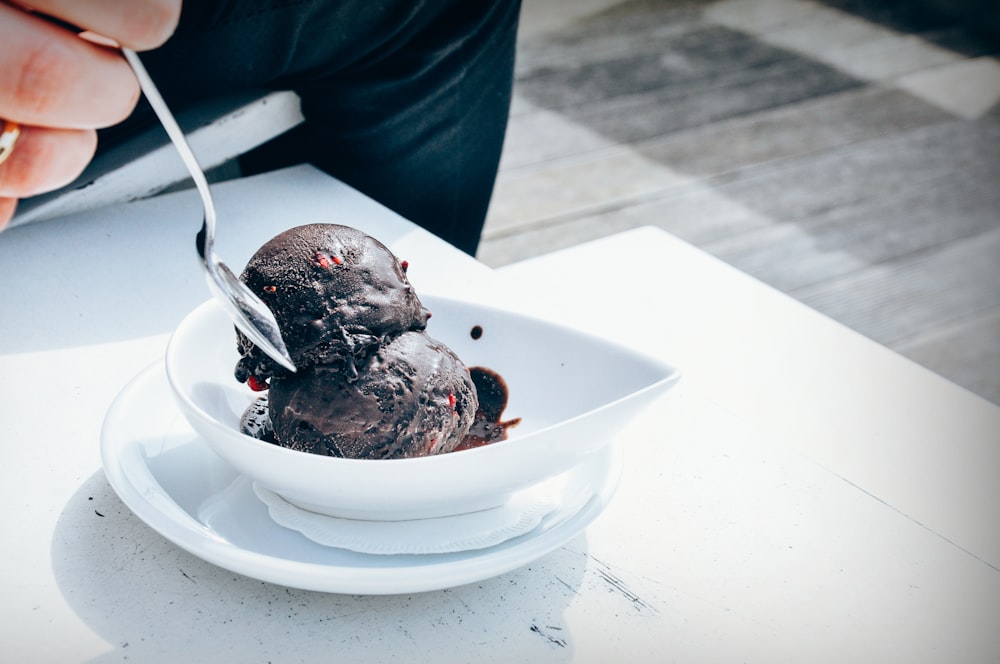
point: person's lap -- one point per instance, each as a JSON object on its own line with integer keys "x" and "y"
{"x": 405, "y": 101}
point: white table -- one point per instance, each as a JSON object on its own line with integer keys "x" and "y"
{"x": 802, "y": 495}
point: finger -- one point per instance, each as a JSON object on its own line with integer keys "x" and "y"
{"x": 50, "y": 77}
{"x": 45, "y": 159}
{"x": 7, "y": 208}
{"x": 136, "y": 24}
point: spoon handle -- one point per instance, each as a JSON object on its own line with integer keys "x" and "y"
{"x": 177, "y": 137}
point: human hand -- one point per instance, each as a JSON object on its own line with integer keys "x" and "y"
{"x": 60, "y": 86}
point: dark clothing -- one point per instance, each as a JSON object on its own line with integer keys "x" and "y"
{"x": 405, "y": 100}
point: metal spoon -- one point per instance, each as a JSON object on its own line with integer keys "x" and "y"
{"x": 248, "y": 312}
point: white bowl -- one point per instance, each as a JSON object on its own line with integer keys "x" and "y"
{"x": 572, "y": 391}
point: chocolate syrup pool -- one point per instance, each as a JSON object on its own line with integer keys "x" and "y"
{"x": 488, "y": 426}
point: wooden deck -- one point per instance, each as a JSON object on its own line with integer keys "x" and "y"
{"x": 844, "y": 152}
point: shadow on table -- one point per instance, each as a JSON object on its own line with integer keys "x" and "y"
{"x": 132, "y": 271}
{"x": 88, "y": 280}
{"x": 155, "y": 602}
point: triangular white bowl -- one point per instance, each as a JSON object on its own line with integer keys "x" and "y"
{"x": 573, "y": 392}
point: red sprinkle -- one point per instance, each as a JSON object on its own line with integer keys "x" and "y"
{"x": 405, "y": 265}
{"x": 338, "y": 260}
{"x": 256, "y": 384}
{"x": 322, "y": 260}
{"x": 270, "y": 289}
{"x": 452, "y": 400}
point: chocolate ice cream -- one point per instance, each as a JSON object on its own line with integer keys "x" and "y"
{"x": 413, "y": 398}
{"x": 369, "y": 382}
{"x": 337, "y": 295}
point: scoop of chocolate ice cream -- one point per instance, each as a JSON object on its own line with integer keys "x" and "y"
{"x": 414, "y": 397}
{"x": 336, "y": 293}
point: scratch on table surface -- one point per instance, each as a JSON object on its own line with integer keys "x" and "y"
{"x": 548, "y": 637}
{"x": 618, "y": 584}
{"x": 568, "y": 586}
{"x": 907, "y": 516}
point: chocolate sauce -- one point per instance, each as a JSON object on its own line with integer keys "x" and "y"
{"x": 488, "y": 426}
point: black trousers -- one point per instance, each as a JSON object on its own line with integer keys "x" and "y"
{"x": 405, "y": 100}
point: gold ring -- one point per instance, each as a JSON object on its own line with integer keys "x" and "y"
{"x": 8, "y": 138}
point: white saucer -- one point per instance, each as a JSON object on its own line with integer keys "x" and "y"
{"x": 171, "y": 480}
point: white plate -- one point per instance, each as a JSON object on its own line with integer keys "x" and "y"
{"x": 171, "y": 480}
